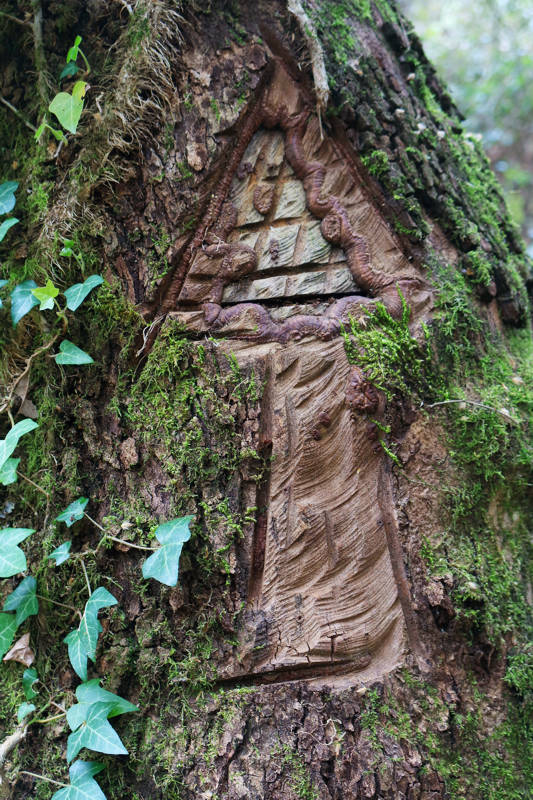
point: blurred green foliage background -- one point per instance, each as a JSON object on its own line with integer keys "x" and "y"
{"x": 484, "y": 52}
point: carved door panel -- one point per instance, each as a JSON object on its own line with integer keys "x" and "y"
{"x": 323, "y": 599}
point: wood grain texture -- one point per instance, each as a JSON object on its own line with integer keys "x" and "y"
{"x": 323, "y": 599}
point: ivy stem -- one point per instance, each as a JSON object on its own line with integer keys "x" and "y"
{"x": 94, "y": 522}
{"x": 86, "y": 577}
{"x": 503, "y": 414}
{"x": 36, "y": 485}
{"x": 11, "y": 18}
{"x": 57, "y": 603}
{"x": 18, "y": 113}
{"x": 82, "y": 54}
{"x": 115, "y": 538}
{"x": 49, "y": 719}
{"x": 44, "y": 778}
{"x": 128, "y": 544}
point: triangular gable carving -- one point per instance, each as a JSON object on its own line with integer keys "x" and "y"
{"x": 291, "y": 222}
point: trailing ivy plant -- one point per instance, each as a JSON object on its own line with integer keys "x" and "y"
{"x": 89, "y": 718}
{"x": 67, "y": 107}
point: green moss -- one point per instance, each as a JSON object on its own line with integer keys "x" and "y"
{"x": 377, "y": 163}
{"x": 477, "y": 759}
{"x": 390, "y": 356}
{"x": 299, "y": 781}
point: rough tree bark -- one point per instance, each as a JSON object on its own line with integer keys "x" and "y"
{"x": 314, "y": 337}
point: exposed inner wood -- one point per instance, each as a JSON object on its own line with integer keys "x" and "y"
{"x": 328, "y": 599}
{"x": 326, "y": 594}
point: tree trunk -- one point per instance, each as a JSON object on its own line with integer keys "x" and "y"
{"x": 313, "y": 337}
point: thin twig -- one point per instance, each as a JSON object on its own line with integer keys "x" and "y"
{"x": 48, "y": 719}
{"x": 18, "y": 113}
{"x": 57, "y": 603}
{"x": 94, "y": 522}
{"x": 86, "y": 577}
{"x": 11, "y": 18}
{"x": 44, "y": 778}
{"x": 129, "y": 544}
{"x": 503, "y": 414}
{"x": 26, "y": 369}
{"x": 38, "y": 49}
{"x": 36, "y": 485}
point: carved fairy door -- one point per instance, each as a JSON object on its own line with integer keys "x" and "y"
{"x": 289, "y": 248}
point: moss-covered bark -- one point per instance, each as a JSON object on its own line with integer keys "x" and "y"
{"x": 165, "y": 424}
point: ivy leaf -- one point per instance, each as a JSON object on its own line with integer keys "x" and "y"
{"x": 8, "y": 627}
{"x": 7, "y": 196}
{"x": 22, "y": 300}
{"x": 29, "y": 678}
{"x": 76, "y": 294}
{"x": 79, "y": 89}
{"x": 73, "y": 512}
{"x": 2, "y": 284}
{"x": 61, "y": 553}
{"x": 70, "y": 354}
{"x": 45, "y": 295}
{"x": 96, "y": 734}
{"x": 8, "y": 471}
{"x": 82, "y": 785}
{"x": 67, "y": 109}
{"x": 23, "y": 710}
{"x": 12, "y": 559}
{"x": 23, "y": 600}
{"x": 18, "y": 430}
{"x": 9, "y": 444}
{"x": 6, "y": 225}
{"x": 77, "y": 654}
{"x": 82, "y": 641}
{"x": 39, "y": 132}
{"x": 91, "y": 692}
{"x": 89, "y": 627}
{"x": 72, "y": 54}
{"x": 163, "y": 565}
{"x": 68, "y": 70}
{"x": 68, "y": 248}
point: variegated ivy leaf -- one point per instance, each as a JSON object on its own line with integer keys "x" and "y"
{"x": 163, "y": 565}
{"x": 8, "y": 627}
{"x": 61, "y": 553}
{"x": 23, "y": 600}
{"x": 73, "y": 512}
{"x": 8, "y": 471}
{"x": 76, "y": 294}
{"x": 29, "y": 678}
{"x": 96, "y": 734}
{"x": 45, "y": 295}
{"x": 22, "y": 300}
{"x": 6, "y": 225}
{"x": 91, "y": 692}
{"x": 23, "y": 710}
{"x": 7, "y": 196}
{"x": 12, "y": 559}
{"x": 8, "y": 444}
{"x": 70, "y": 354}
{"x": 82, "y": 641}
{"x": 82, "y": 784}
